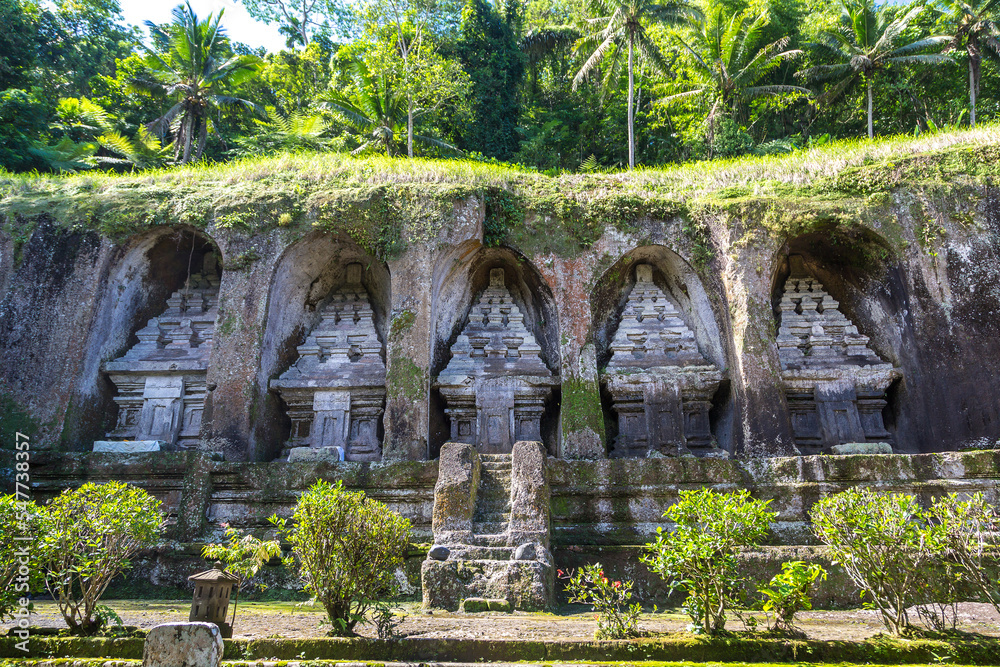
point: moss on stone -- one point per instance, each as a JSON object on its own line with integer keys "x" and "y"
{"x": 580, "y": 408}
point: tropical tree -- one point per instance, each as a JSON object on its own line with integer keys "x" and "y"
{"x": 722, "y": 49}
{"x": 195, "y": 68}
{"x": 298, "y": 130}
{"x": 377, "y": 111}
{"x": 867, "y": 43}
{"x": 976, "y": 27}
{"x": 621, "y": 25}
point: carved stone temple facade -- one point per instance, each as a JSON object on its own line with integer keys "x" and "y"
{"x": 834, "y": 382}
{"x": 661, "y": 385}
{"x": 335, "y": 391}
{"x": 161, "y": 379}
{"x": 496, "y": 384}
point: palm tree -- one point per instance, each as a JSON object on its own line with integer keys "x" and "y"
{"x": 618, "y": 25}
{"x": 194, "y": 69}
{"x": 868, "y": 43}
{"x": 722, "y": 48}
{"x": 377, "y": 111}
{"x": 976, "y": 25}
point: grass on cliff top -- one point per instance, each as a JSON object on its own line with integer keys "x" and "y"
{"x": 690, "y": 179}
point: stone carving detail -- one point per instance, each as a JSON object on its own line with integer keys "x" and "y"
{"x": 661, "y": 386}
{"x": 161, "y": 379}
{"x": 496, "y": 384}
{"x": 335, "y": 391}
{"x": 834, "y": 382}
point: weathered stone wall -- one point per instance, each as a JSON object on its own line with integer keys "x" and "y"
{"x": 929, "y": 300}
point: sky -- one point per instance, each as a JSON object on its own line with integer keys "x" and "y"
{"x": 238, "y": 24}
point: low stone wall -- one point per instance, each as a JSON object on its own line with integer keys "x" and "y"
{"x": 621, "y": 501}
{"x": 601, "y": 510}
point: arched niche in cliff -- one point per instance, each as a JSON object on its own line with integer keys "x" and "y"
{"x": 145, "y": 285}
{"x": 470, "y": 357}
{"x": 660, "y": 359}
{"x": 313, "y": 282}
{"x": 839, "y": 301}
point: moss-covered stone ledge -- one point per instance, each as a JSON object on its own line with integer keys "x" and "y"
{"x": 878, "y": 650}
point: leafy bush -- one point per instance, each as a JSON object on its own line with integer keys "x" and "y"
{"x": 966, "y": 530}
{"x": 18, "y": 573}
{"x": 699, "y": 554}
{"x": 86, "y": 538}
{"x": 617, "y": 619}
{"x": 243, "y": 556}
{"x": 789, "y": 591}
{"x": 348, "y": 547}
{"x": 883, "y": 543}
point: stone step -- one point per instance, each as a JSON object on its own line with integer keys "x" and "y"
{"x": 480, "y": 528}
{"x": 496, "y": 465}
{"x": 489, "y": 540}
{"x": 492, "y": 519}
{"x": 481, "y": 553}
{"x": 495, "y": 457}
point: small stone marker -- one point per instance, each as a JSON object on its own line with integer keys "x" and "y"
{"x": 183, "y": 645}
{"x": 861, "y": 448}
{"x": 525, "y": 552}
{"x": 128, "y": 446}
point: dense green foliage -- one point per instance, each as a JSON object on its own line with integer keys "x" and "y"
{"x": 699, "y": 554}
{"x": 86, "y": 537}
{"x": 242, "y": 555}
{"x": 788, "y": 592}
{"x": 549, "y": 84}
{"x": 901, "y": 555}
{"x": 348, "y": 549}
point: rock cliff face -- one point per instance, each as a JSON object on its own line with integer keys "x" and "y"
{"x": 909, "y": 269}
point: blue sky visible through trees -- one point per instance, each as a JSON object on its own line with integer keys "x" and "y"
{"x": 239, "y": 25}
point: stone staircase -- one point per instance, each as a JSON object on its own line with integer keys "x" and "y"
{"x": 491, "y": 529}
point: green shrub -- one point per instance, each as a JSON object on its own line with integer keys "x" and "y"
{"x": 617, "y": 619}
{"x": 86, "y": 538}
{"x": 967, "y": 532}
{"x": 883, "y": 543}
{"x": 243, "y": 556}
{"x": 348, "y": 547}
{"x": 789, "y": 592}
{"x": 699, "y": 554}
{"x": 19, "y": 574}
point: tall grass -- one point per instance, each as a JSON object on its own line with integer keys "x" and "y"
{"x": 690, "y": 179}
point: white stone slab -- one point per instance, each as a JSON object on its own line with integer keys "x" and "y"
{"x": 128, "y": 446}
{"x": 302, "y": 454}
{"x": 183, "y": 645}
{"x": 861, "y": 448}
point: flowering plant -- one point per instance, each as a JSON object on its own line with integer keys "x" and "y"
{"x": 616, "y": 618}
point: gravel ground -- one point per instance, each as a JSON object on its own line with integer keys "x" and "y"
{"x": 298, "y": 620}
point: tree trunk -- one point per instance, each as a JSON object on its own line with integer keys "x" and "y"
{"x": 871, "y": 132}
{"x": 631, "y": 119}
{"x": 188, "y": 131}
{"x": 973, "y": 85}
{"x": 409, "y": 124}
{"x": 202, "y": 137}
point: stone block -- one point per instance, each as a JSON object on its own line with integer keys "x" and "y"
{"x": 311, "y": 454}
{"x": 183, "y": 645}
{"x": 128, "y": 446}
{"x": 525, "y": 585}
{"x": 455, "y": 491}
{"x": 478, "y": 605}
{"x": 848, "y": 448}
{"x": 530, "y": 493}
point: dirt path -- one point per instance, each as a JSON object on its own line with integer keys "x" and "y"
{"x": 295, "y": 620}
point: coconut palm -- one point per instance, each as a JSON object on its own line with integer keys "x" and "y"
{"x": 867, "y": 44}
{"x": 722, "y": 49}
{"x": 621, "y": 25}
{"x": 976, "y": 27}
{"x": 195, "y": 69}
{"x": 377, "y": 111}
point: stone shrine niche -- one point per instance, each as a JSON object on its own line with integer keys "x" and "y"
{"x": 161, "y": 379}
{"x": 496, "y": 384}
{"x": 335, "y": 391}
{"x": 834, "y": 382}
{"x": 661, "y": 385}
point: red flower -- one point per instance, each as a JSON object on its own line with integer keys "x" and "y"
{"x": 617, "y": 584}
